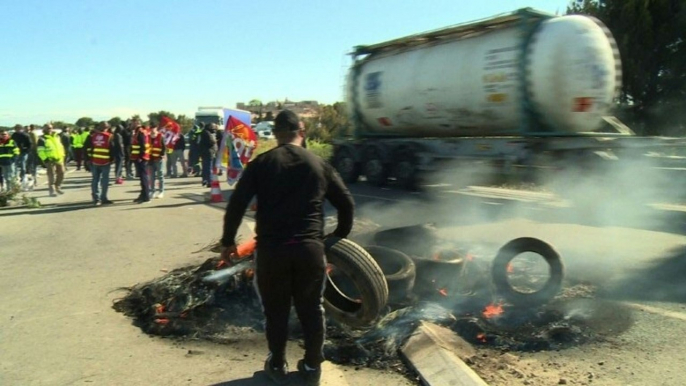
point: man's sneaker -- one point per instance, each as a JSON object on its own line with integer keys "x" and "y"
{"x": 160, "y": 195}
{"x": 58, "y": 190}
{"x": 310, "y": 376}
{"x": 119, "y": 181}
{"x": 107, "y": 202}
{"x": 278, "y": 375}
{"x": 96, "y": 203}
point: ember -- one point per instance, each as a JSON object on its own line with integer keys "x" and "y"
{"x": 492, "y": 310}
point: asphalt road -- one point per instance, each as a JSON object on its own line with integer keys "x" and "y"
{"x": 632, "y": 257}
{"x": 62, "y": 266}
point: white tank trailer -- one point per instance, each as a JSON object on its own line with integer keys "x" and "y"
{"x": 496, "y": 89}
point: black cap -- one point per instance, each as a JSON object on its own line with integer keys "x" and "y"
{"x": 286, "y": 120}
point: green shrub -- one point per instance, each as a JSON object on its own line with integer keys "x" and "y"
{"x": 319, "y": 148}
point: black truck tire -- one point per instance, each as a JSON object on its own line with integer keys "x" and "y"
{"x": 367, "y": 277}
{"x": 346, "y": 165}
{"x": 511, "y": 250}
{"x": 398, "y": 269}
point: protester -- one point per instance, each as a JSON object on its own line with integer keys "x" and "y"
{"x": 290, "y": 184}
{"x": 23, "y": 142}
{"x": 193, "y": 150}
{"x": 156, "y": 165}
{"x": 140, "y": 156}
{"x": 126, "y": 135}
{"x": 9, "y": 153}
{"x": 207, "y": 148}
{"x": 177, "y": 155}
{"x": 51, "y": 154}
{"x": 65, "y": 138}
{"x": 99, "y": 148}
{"x": 77, "y": 146}
{"x": 84, "y": 137}
{"x": 33, "y": 160}
{"x": 118, "y": 153}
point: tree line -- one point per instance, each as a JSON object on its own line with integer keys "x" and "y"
{"x": 651, "y": 37}
{"x": 331, "y": 122}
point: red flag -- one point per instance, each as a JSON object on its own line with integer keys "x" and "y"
{"x": 170, "y": 130}
{"x": 240, "y": 144}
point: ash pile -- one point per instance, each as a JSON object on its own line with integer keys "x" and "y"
{"x": 514, "y": 302}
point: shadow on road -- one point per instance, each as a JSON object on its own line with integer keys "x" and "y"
{"x": 662, "y": 280}
{"x": 60, "y": 208}
{"x": 259, "y": 378}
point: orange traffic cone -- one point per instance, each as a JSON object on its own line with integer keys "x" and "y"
{"x": 215, "y": 192}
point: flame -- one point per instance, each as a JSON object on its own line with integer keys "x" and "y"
{"x": 481, "y": 337}
{"x": 510, "y": 268}
{"x": 159, "y": 308}
{"x": 443, "y": 292}
{"x": 493, "y": 310}
{"x": 249, "y": 273}
{"x": 329, "y": 268}
{"x": 162, "y": 321}
{"x": 469, "y": 257}
{"x": 221, "y": 264}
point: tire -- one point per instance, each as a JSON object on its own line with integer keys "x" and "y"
{"x": 347, "y": 167}
{"x": 367, "y": 277}
{"x": 375, "y": 169}
{"x": 413, "y": 240}
{"x": 511, "y": 250}
{"x": 398, "y": 269}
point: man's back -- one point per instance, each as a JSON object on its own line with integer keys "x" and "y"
{"x": 291, "y": 185}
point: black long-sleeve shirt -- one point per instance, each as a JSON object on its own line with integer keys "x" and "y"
{"x": 22, "y": 140}
{"x": 291, "y": 185}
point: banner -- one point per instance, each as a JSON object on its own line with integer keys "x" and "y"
{"x": 239, "y": 142}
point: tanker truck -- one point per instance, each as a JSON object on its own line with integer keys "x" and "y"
{"x": 516, "y": 90}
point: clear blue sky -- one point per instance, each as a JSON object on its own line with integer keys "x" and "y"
{"x": 65, "y": 59}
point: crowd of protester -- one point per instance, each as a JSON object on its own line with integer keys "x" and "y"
{"x": 55, "y": 149}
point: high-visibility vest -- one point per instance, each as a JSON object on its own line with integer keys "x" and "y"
{"x": 77, "y": 141}
{"x": 100, "y": 151}
{"x": 50, "y": 148}
{"x": 157, "y": 144}
{"x": 8, "y": 150}
{"x": 136, "y": 148}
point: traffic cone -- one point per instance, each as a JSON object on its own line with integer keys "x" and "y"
{"x": 215, "y": 192}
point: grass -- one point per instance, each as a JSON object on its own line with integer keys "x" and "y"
{"x": 11, "y": 197}
{"x": 321, "y": 149}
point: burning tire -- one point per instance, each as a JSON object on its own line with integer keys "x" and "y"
{"x": 501, "y": 266}
{"x": 414, "y": 240}
{"x": 398, "y": 269}
{"x": 363, "y": 275}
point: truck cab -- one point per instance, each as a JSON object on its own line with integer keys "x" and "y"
{"x": 209, "y": 115}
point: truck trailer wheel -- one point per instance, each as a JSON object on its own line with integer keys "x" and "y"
{"x": 364, "y": 274}
{"x": 347, "y": 167}
{"x": 502, "y": 262}
{"x": 405, "y": 170}
{"x": 398, "y": 269}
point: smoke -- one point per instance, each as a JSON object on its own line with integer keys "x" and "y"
{"x": 605, "y": 213}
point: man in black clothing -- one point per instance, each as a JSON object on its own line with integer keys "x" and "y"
{"x": 207, "y": 148}
{"x": 291, "y": 185}
{"x": 23, "y": 142}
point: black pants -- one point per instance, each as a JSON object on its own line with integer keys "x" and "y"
{"x": 293, "y": 272}
{"x": 142, "y": 171}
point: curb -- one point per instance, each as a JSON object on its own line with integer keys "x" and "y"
{"x": 432, "y": 351}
